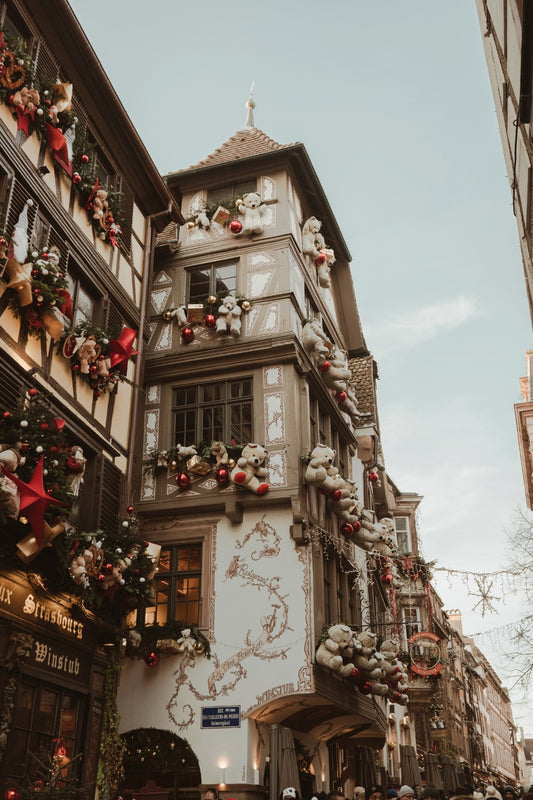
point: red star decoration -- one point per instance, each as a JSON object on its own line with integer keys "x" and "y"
{"x": 121, "y": 349}
{"x": 34, "y": 499}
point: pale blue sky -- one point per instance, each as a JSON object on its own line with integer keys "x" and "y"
{"x": 393, "y": 103}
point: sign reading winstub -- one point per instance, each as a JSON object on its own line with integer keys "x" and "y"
{"x": 221, "y": 716}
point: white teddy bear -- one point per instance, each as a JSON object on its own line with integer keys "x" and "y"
{"x": 365, "y": 656}
{"x": 337, "y": 647}
{"x": 249, "y": 468}
{"x": 315, "y": 341}
{"x": 229, "y": 316}
{"x": 312, "y": 240}
{"x": 186, "y": 642}
{"x": 251, "y": 208}
{"x": 183, "y": 452}
{"x": 338, "y": 373}
{"x": 321, "y": 471}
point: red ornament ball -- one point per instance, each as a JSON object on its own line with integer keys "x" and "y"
{"x": 97, "y": 393}
{"x": 356, "y": 526}
{"x": 320, "y": 259}
{"x": 34, "y": 273}
{"x": 3, "y": 242}
{"x": 341, "y": 397}
{"x": 183, "y": 480}
{"x": 44, "y": 255}
{"x": 355, "y": 674}
{"x": 387, "y": 578}
{"x": 221, "y": 475}
{"x": 6, "y": 414}
{"x": 347, "y": 529}
{"x": 90, "y": 206}
{"x": 130, "y": 509}
{"x": 325, "y": 366}
{"x": 43, "y": 426}
{"x": 235, "y": 226}
{"x": 84, "y": 159}
{"x": 336, "y": 495}
{"x": 152, "y": 659}
{"x": 373, "y": 477}
{"x": 33, "y": 392}
{"x": 210, "y": 321}
{"x": 187, "y": 334}
{"x": 76, "y": 178}
{"x": 366, "y": 688}
{"x": 93, "y": 369}
{"x": 75, "y": 368}
{"x": 12, "y": 794}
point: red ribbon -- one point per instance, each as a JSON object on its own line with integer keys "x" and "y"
{"x": 58, "y": 145}
{"x": 394, "y": 611}
{"x": 24, "y": 117}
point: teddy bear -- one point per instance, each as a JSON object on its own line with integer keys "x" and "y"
{"x": 100, "y": 207}
{"x": 321, "y": 471}
{"x": 220, "y": 453}
{"x": 349, "y": 405}
{"x": 26, "y": 100}
{"x": 337, "y": 647}
{"x": 79, "y": 565}
{"x": 314, "y": 341}
{"x": 338, "y": 373}
{"x": 324, "y": 262}
{"x": 312, "y": 240}
{"x": 251, "y": 208}
{"x": 390, "y": 665}
{"x": 183, "y": 452}
{"x": 229, "y": 316}
{"x": 346, "y": 507}
{"x": 179, "y": 313}
{"x": 88, "y": 353}
{"x": 249, "y": 468}
{"x": 186, "y": 642}
{"x": 114, "y": 577}
{"x": 201, "y": 220}
{"x": 365, "y": 656}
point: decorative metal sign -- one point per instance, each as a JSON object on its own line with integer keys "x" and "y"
{"x": 425, "y": 653}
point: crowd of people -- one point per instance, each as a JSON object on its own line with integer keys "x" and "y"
{"x": 377, "y": 792}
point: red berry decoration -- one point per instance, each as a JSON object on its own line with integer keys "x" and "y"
{"x": 320, "y": 259}
{"x": 33, "y": 392}
{"x": 341, "y": 397}
{"x": 187, "y": 334}
{"x": 152, "y": 659}
{"x": 235, "y": 226}
{"x": 183, "y": 480}
{"x": 325, "y": 366}
{"x": 355, "y": 674}
{"x": 90, "y": 206}
{"x": 76, "y": 178}
{"x": 221, "y": 475}
{"x": 347, "y": 529}
{"x": 373, "y": 477}
{"x": 210, "y": 321}
{"x": 84, "y": 159}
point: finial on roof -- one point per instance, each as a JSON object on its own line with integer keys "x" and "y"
{"x": 250, "y": 105}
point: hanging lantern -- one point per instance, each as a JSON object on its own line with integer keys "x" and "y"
{"x": 187, "y": 334}
{"x": 235, "y": 226}
{"x": 152, "y": 659}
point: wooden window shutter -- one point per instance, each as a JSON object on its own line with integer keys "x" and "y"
{"x": 111, "y": 497}
{"x": 12, "y": 386}
{"x": 19, "y": 198}
{"x": 114, "y": 320}
{"x": 47, "y": 67}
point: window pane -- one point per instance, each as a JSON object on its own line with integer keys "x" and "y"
{"x": 195, "y": 557}
{"x": 199, "y": 284}
{"x": 212, "y": 393}
{"x": 226, "y": 279}
{"x": 45, "y": 715}
{"x": 164, "y": 560}
{"x": 240, "y": 389}
{"x": 23, "y": 709}
{"x": 184, "y": 397}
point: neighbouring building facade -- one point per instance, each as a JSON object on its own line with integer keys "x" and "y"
{"x": 80, "y": 204}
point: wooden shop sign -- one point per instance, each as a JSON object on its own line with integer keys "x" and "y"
{"x": 20, "y": 602}
{"x": 425, "y": 653}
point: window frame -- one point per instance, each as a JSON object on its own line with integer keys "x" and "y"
{"x": 406, "y": 533}
{"x": 76, "y": 283}
{"x": 173, "y": 575}
{"x": 212, "y": 289}
{"x": 199, "y": 406}
{"x": 413, "y": 625}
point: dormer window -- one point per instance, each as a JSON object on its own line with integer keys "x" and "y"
{"x": 232, "y": 190}
{"x": 211, "y": 279}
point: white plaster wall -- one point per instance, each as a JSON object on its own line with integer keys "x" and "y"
{"x": 262, "y": 589}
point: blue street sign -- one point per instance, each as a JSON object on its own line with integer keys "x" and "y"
{"x": 221, "y": 716}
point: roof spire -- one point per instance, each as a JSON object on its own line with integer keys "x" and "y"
{"x": 250, "y": 105}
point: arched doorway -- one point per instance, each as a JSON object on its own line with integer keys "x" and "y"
{"x": 162, "y": 757}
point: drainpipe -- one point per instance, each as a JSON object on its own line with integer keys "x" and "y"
{"x": 148, "y": 262}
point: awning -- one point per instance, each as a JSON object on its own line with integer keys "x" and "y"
{"x": 409, "y": 766}
{"x": 433, "y": 772}
{"x": 449, "y": 774}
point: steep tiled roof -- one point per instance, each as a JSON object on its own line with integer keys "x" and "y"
{"x": 244, "y": 144}
{"x": 362, "y": 370}
{"x": 168, "y": 234}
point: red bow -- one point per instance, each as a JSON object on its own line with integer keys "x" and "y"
{"x": 121, "y": 350}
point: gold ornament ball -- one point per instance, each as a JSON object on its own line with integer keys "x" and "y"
{"x": 199, "y": 648}
{"x": 211, "y": 299}
{"x": 191, "y": 225}
{"x": 246, "y": 305}
{"x": 174, "y": 464}
{"x": 231, "y": 463}
{"x": 167, "y": 315}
